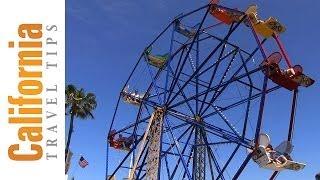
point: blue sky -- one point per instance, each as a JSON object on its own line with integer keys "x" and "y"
{"x": 105, "y": 38}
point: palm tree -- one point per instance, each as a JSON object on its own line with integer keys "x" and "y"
{"x": 78, "y": 104}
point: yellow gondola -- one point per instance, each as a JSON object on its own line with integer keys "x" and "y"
{"x": 265, "y": 28}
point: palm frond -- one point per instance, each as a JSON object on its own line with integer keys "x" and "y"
{"x": 79, "y": 103}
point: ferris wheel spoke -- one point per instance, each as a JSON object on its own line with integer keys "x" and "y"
{"x": 230, "y": 137}
{"x": 200, "y": 82}
{"x": 188, "y": 162}
{"x": 209, "y": 56}
{"x": 188, "y": 51}
{"x": 167, "y": 122}
{"x": 242, "y": 101}
{"x": 167, "y": 167}
{"x": 227, "y": 42}
{"x": 178, "y": 139}
{"x": 183, "y": 151}
{"x": 173, "y": 92}
{"x": 210, "y": 166}
{"x": 225, "y": 119}
{"x": 217, "y": 166}
{"x": 248, "y": 85}
{"x": 215, "y": 88}
{"x": 219, "y": 60}
{"x": 180, "y": 115}
{"x": 213, "y": 75}
{"x": 246, "y": 118}
{"x": 215, "y": 143}
{"x": 222, "y": 133}
{"x": 132, "y": 125}
{"x": 175, "y": 74}
{"x": 218, "y": 92}
{"x": 178, "y": 126}
{"x": 236, "y": 78}
{"x": 183, "y": 94}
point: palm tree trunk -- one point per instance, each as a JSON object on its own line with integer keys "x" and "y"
{"x": 69, "y": 135}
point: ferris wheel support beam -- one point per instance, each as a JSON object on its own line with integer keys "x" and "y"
{"x": 228, "y": 162}
{"x": 151, "y": 173}
{"x": 199, "y": 169}
{"x": 153, "y": 133}
{"x": 163, "y": 153}
{"x": 142, "y": 145}
{"x": 243, "y": 165}
{"x": 154, "y": 148}
{"x": 140, "y": 167}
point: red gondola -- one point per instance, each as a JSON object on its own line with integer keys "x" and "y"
{"x": 290, "y": 78}
{"x": 224, "y": 15}
{"x": 121, "y": 143}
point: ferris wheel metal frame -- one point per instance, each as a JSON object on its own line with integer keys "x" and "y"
{"x": 166, "y": 106}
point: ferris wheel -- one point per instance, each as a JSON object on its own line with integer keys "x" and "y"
{"x": 194, "y": 105}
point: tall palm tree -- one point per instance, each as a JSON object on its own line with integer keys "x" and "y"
{"x": 78, "y": 104}
{"x": 318, "y": 176}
